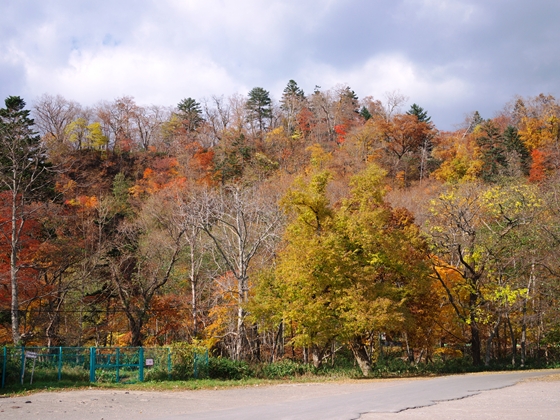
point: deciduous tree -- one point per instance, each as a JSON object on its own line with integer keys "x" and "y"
{"x": 240, "y": 222}
{"x": 23, "y": 173}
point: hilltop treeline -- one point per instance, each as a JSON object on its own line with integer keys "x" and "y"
{"x": 268, "y": 230}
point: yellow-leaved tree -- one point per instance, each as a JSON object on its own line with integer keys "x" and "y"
{"x": 347, "y": 273}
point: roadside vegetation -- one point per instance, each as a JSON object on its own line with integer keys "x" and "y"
{"x": 225, "y": 373}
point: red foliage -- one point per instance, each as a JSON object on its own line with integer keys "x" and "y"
{"x": 537, "y": 171}
{"x": 29, "y": 243}
{"x": 304, "y": 121}
{"x": 341, "y": 130}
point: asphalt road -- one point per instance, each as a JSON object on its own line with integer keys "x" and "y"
{"x": 398, "y": 399}
{"x": 353, "y": 402}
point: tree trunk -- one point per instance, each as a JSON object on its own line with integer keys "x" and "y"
{"x": 475, "y": 331}
{"x": 136, "y": 337}
{"x": 475, "y": 343}
{"x": 409, "y": 350}
{"x": 242, "y": 298}
{"x": 317, "y": 355}
{"x": 240, "y": 334}
{"x": 524, "y": 319}
{"x": 513, "y": 342}
{"x": 361, "y": 356}
{"x": 16, "y": 337}
{"x": 278, "y": 343}
{"x": 194, "y": 306}
{"x": 257, "y": 351}
{"x": 489, "y": 341}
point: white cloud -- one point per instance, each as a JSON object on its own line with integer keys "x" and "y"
{"x": 386, "y": 73}
{"x": 458, "y": 55}
{"x": 443, "y": 10}
{"x": 159, "y": 77}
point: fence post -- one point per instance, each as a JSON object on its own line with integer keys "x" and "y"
{"x": 207, "y": 362}
{"x": 22, "y": 363}
{"x": 118, "y": 360}
{"x": 4, "y": 364}
{"x": 141, "y": 364}
{"x": 59, "y": 364}
{"x": 169, "y": 363}
{"x": 92, "y": 364}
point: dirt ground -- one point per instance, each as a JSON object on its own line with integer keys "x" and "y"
{"x": 532, "y": 399}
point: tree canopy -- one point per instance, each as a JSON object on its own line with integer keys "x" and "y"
{"x": 320, "y": 226}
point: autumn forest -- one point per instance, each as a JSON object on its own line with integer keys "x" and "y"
{"x": 298, "y": 228}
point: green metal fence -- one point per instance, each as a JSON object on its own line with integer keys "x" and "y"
{"x": 95, "y": 364}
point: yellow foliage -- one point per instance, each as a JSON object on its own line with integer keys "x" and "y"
{"x": 278, "y": 134}
{"x": 448, "y": 353}
{"x": 319, "y": 158}
{"x": 83, "y": 201}
{"x": 460, "y": 165}
{"x": 66, "y": 187}
{"x": 538, "y": 133}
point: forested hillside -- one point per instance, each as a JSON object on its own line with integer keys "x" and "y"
{"x": 292, "y": 229}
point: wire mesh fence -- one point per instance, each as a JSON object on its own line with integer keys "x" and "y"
{"x": 22, "y": 365}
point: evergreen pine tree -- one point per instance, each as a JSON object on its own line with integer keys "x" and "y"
{"x": 259, "y": 107}
{"x": 420, "y": 113}
{"x": 190, "y": 112}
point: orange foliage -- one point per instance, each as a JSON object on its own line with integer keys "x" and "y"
{"x": 537, "y": 171}
{"x": 223, "y": 313}
{"x": 202, "y": 164}
{"x": 170, "y": 320}
{"x": 83, "y": 202}
{"x": 448, "y": 325}
{"x": 163, "y": 174}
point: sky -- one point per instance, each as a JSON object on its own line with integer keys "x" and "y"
{"x": 451, "y": 57}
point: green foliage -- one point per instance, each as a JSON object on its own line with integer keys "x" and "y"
{"x": 183, "y": 357}
{"x": 191, "y": 113}
{"x": 394, "y": 367}
{"x": 121, "y": 194}
{"x": 552, "y": 337}
{"x": 364, "y": 112}
{"x": 420, "y": 113}
{"x": 22, "y": 156}
{"x": 292, "y": 90}
{"x": 234, "y": 159}
{"x": 517, "y": 155}
{"x": 502, "y": 154}
{"x": 227, "y": 369}
{"x": 259, "y": 106}
{"x": 283, "y": 369}
{"x": 492, "y": 151}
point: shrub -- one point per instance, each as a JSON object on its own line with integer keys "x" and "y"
{"x": 283, "y": 369}
{"x": 222, "y": 368}
{"x": 183, "y": 360}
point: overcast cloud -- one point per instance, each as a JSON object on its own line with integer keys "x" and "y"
{"x": 450, "y": 57}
